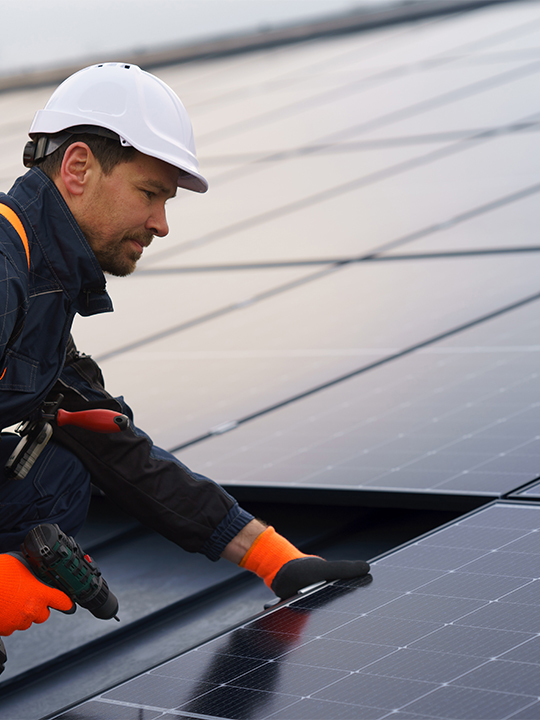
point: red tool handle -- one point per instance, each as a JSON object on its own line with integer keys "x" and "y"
{"x": 102, "y": 421}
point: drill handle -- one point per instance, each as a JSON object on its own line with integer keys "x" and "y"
{"x": 3, "y": 656}
{"x": 98, "y": 420}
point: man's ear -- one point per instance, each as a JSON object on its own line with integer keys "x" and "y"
{"x": 78, "y": 167}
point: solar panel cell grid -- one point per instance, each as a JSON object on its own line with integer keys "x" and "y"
{"x": 440, "y": 632}
{"x": 101, "y": 711}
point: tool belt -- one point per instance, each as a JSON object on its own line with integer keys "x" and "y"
{"x": 35, "y": 434}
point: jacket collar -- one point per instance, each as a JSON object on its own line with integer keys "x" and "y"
{"x": 58, "y": 246}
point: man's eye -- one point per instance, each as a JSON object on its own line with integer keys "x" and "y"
{"x": 149, "y": 194}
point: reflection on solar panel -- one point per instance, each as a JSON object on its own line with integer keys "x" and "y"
{"x": 460, "y": 418}
{"x": 448, "y": 628}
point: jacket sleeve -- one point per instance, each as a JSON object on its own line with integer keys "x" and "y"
{"x": 146, "y": 481}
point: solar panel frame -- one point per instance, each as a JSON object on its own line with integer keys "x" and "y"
{"x": 529, "y": 492}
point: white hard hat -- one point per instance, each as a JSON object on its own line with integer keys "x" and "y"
{"x": 139, "y": 107}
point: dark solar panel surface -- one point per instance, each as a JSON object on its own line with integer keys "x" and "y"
{"x": 460, "y": 417}
{"x": 449, "y": 627}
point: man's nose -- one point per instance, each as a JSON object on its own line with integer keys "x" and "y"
{"x": 157, "y": 223}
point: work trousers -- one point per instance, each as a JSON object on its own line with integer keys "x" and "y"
{"x": 56, "y": 490}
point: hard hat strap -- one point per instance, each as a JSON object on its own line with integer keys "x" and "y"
{"x": 38, "y": 148}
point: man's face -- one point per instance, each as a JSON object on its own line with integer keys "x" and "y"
{"x": 123, "y": 211}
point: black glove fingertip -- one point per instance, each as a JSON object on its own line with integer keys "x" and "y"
{"x": 71, "y": 610}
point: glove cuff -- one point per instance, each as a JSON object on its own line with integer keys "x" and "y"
{"x": 268, "y": 554}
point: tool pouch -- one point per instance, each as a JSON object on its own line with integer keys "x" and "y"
{"x": 35, "y": 435}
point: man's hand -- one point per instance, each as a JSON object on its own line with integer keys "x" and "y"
{"x": 284, "y": 568}
{"x": 302, "y": 572}
{"x": 24, "y": 599}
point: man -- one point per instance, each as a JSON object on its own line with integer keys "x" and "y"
{"x": 111, "y": 146}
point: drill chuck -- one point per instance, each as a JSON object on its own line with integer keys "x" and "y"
{"x": 58, "y": 560}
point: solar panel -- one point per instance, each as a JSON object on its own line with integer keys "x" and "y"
{"x": 422, "y": 96}
{"x": 150, "y": 306}
{"x": 321, "y": 212}
{"x": 504, "y": 225}
{"x": 269, "y": 350}
{"x": 459, "y": 418}
{"x": 480, "y": 109}
{"x": 425, "y": 93}
{"x": 448, "y": 628}
{"x": 532, "y": 492}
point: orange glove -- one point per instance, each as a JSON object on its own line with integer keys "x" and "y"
{"x": 24, "y": 599}
{"x": 286, "y": 570}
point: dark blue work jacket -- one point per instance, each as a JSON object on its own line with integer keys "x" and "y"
{"x": 65, "y": 278}
{"x": 38, "y": 304}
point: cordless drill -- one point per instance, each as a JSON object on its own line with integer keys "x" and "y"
{"x": 57, "y": 560}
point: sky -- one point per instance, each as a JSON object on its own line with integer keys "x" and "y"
{"x": 40, "y": 34}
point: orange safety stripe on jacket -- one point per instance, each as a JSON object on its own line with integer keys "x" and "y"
{"x": 13, "y": 218}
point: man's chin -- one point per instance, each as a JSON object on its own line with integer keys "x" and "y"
{"x": 120, "y": 272}
{"x": 119, "y": 261}
{"x": 119, "y": 269}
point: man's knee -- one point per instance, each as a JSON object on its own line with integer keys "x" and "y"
{"x": 57, "y": 490}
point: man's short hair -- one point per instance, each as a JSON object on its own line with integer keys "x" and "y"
{"x": 107, "y": 151}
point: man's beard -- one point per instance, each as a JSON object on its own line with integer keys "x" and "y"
{"x": 120, "y": 259}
